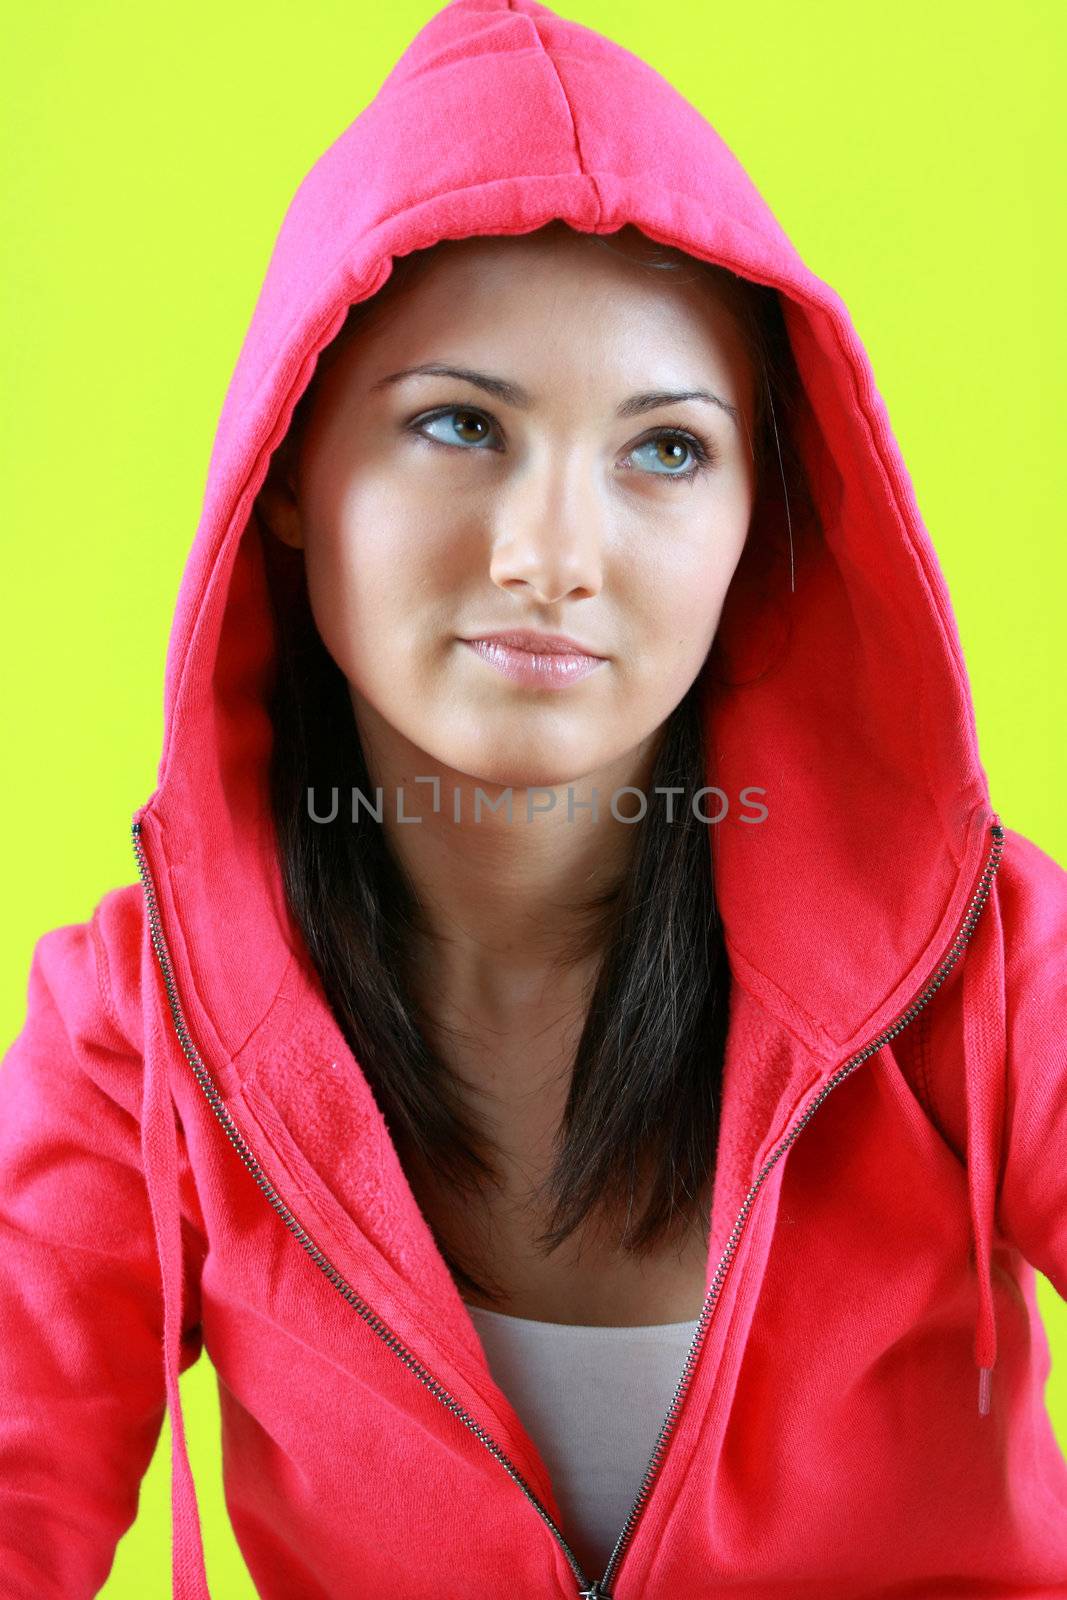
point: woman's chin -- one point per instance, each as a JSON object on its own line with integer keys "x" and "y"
{"x": 497, "y": 767}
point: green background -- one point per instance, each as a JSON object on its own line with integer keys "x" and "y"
{"x": 913, "y": 153}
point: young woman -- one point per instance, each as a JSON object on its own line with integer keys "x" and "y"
{"x": 581, "y": 1053}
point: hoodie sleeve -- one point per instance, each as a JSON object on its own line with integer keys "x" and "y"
{"x": 82, "y": 1393}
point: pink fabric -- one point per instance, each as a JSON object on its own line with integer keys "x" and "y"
{"x": 866, "y": 1412}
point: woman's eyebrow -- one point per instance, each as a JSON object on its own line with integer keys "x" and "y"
{"x": 514, "y": 394}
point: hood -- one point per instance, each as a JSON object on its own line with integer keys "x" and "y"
{"x": 838, "y": 907}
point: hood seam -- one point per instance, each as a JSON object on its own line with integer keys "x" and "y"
{"x": 582, "y": 167}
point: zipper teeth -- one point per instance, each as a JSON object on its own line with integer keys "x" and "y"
{"x": 978, "y": 900}
{"x": 597, "y": 1590}
{"x": 319, "y": 1257}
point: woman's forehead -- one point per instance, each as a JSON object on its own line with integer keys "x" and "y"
{"x": 488, "y": 298}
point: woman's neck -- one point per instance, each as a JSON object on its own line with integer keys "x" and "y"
{"x": 511, "y": 883}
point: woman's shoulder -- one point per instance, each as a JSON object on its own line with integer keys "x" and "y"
{"x": 1012, "y": 1090}
{"x": 118, "y": 926}
{"x": 1026, "y": 913}
{"x": 1032, "y": 893}
{"x": 83, "y": 997}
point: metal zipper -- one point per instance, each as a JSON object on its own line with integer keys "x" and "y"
{"x": 599, "y": 1591}
{"x": 599, "y": 1588}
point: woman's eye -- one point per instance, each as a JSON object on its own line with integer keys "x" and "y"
{"x": 674, "y": 455}
{"x": 459, "y": 426}
{"x": 671, "y": 453}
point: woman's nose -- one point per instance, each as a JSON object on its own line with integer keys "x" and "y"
{"x": 549, "y": 534}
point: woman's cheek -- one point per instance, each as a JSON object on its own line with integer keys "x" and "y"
{"x": 679, "y": 613}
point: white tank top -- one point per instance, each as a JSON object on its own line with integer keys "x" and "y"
{"x": 593, "y": 1401}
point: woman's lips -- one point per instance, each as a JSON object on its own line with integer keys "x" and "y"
{"x": 548, "y": 665}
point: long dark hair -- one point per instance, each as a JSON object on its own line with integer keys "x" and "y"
{"x": 642, "y": 1114}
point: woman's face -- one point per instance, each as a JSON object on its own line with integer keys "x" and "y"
{"x": 559, "y": 492}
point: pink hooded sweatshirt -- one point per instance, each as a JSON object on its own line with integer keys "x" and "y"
{"x": 191, "y": 1158}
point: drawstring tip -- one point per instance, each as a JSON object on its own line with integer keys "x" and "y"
{"x": 985, "y": 1384}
